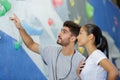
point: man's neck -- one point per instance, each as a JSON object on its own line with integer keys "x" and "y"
{"x": 68, "y": 50}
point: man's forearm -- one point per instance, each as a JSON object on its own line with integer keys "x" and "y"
{"x": 26, "y": 38}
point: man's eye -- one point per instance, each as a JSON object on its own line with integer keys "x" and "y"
{"x": 64, "y": 31}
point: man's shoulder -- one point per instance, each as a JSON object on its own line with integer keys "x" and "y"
{"x": 77, "y": 58}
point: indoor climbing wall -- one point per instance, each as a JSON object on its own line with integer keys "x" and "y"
{"x": 43, "y": 19}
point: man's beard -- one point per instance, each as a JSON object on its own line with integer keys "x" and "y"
{"x": 62, "y": 43}
{"x": 58, "y": 42}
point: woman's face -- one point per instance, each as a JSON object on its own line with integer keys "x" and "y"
{"x": 82, "y": 37}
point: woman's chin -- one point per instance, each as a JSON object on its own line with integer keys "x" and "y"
{"x": 79, "y": 45}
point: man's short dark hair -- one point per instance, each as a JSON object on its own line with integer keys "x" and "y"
{"x": 74, "y": 28}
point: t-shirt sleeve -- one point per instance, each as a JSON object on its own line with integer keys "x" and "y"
{"x": 99, "y": 56}
{"x": 44, "y": 52}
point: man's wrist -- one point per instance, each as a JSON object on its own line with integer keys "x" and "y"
{"x": 20, "y": 28}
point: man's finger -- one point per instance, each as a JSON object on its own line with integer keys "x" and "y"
{"x": 15, "y": 16}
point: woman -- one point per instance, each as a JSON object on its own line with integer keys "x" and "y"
{"x": 97, "y": 66}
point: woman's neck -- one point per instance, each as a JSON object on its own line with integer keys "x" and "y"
{"x": 91, "y": 49}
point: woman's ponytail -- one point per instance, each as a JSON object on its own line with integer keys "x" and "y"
{"x": 103, "y": 45}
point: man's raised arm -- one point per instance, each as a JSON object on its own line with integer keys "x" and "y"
{"x": 26, "y": 38}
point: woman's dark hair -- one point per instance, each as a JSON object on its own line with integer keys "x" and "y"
{"x": 74, "y": 28}
{"x": 100, "y": 40}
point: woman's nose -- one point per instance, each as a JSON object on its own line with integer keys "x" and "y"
{"x": 77, "y": 36}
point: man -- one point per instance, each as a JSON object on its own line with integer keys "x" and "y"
{"x": 62, "y": 61}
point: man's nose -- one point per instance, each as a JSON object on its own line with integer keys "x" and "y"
{"x": 60, "y": 33}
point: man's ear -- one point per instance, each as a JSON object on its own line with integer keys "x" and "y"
{"x": 73, "y": 38}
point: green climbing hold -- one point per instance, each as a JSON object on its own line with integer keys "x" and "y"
{"x": 89, "y": 10}
{"x": 5, "y": 6}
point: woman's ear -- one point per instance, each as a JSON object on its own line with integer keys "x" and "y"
{"x": 91, "y": 36}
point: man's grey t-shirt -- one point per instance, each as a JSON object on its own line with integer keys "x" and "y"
{"x": 60, "y": 66}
